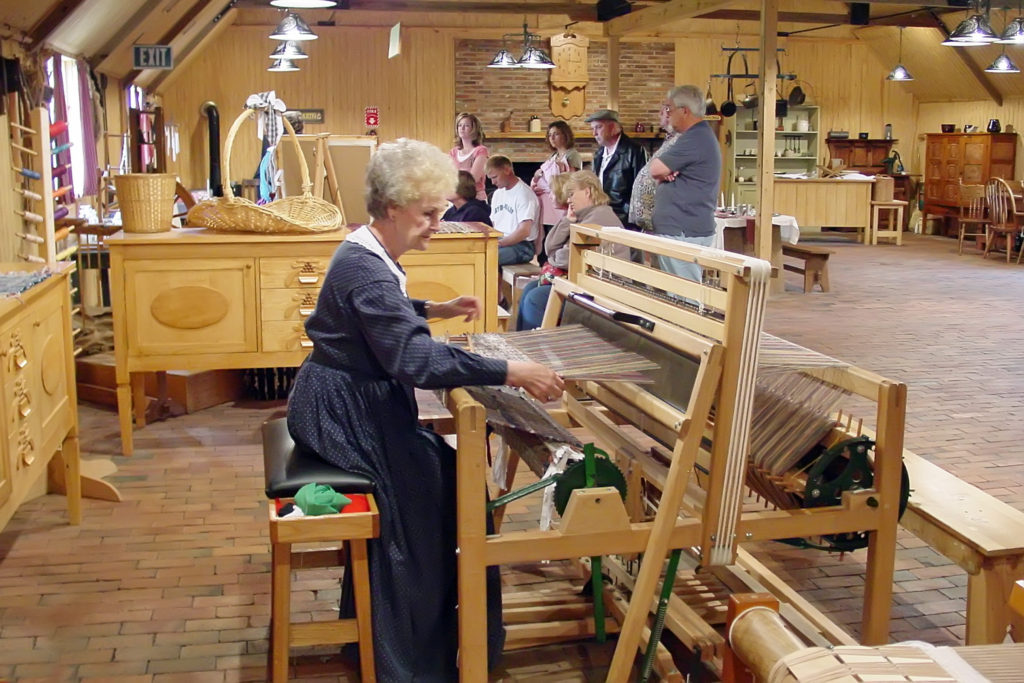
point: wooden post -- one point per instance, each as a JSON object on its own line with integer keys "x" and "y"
{"x": 613, "y": 73}
{"x": 766, "y": 133}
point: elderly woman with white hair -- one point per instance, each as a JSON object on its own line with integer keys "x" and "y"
{"x": 353, "y": 405}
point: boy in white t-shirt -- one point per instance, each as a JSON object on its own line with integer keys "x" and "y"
{"x": 514, "y": 210}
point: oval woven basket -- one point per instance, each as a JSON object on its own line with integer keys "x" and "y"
{"x": 299, "y": 214}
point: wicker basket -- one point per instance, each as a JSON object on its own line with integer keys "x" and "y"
{"x": 146, "y": 201}
{"x": 300, "y": 214}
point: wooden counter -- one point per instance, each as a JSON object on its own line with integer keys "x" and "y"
{"x": 194, "y": 299}
{"x": 826, "y": 202}
{"x": 39, "y": 405}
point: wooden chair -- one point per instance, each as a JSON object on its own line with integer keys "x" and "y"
{"x": 972, "y": 217}
{"x": 1002, "y": 215}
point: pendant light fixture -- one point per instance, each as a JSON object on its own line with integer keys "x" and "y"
{"x": 283, "y": 65}
{"x": 1013, "y": 34}
{"x": 533, "y": 57}
{"x": 1003, "y": 65}
{"x": 304, "y": 4}
{"x": 975, "y": 29}
{"x": 289, "y": 49}
{"x": 899, "y": 72}
{"x": 292, "y": 27}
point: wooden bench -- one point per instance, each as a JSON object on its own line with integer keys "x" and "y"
{"x": 513, "y": 279}
{"x": 982, "y": 535}
{"x": 815, "y": 264}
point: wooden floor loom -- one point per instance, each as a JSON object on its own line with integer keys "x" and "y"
{"x": 705, "y": 336}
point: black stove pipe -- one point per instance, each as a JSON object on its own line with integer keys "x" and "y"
{"x": 213, "y": 125}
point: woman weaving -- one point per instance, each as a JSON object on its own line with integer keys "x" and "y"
{"x": 353, "y": 404}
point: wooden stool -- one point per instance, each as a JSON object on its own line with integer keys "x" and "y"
{"x": 895, "y": 211}
{"x": 287, "y": 469}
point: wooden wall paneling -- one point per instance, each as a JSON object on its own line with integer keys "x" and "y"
{"x": 348, "y": 70}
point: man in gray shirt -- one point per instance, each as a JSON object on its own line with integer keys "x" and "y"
{"x": 688, "y": 175}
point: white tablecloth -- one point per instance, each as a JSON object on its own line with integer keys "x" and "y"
{"x": 789, "y": 230}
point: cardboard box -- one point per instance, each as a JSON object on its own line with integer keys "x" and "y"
{"x": 883, "y": 189}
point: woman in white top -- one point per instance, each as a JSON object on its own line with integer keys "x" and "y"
{"x": 469, "y": 153}
{"x": 564, "y": 159}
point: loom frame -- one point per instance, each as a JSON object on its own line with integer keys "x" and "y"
{"x": 717, "y": 344}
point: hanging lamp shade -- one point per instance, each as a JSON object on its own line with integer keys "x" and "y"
{"x": 289, "y": 49}
{"x": 503, "y": 59}
{"x": 899, "y": 73}
{"x": 283, "y": 65}
{"x": 974, "y": 29}
{"x": 1003, "y": 65}
{"x": 304, "y": 4}
{"x": 292, "y": 27}
{"x": 535, "y": 58}
{"x": 1013, "y": 34}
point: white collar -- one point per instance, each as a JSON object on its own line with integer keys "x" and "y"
{"x": 364, "y": 237}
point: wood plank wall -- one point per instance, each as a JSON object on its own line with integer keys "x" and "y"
{"x": 348, "y": 70}
{"x": 843, "y": 77}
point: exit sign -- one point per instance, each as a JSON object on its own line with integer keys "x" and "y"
{"x": 152, "y": 57}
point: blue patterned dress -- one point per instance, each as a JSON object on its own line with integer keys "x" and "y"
{"x": 353, "y": 404}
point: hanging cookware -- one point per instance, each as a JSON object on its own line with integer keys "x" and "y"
{"x": 797, "y": 96}
{"x": 709, "y": 102}
{"x": 729, "y": 106}
{"x": 751, "y": 99}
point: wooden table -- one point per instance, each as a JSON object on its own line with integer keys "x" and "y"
{"x": 194, "y": 299}
{"x": 826, "y": 202}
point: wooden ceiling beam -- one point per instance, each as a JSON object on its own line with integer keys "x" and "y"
{"x": 656, "y": 17}
{"x": 52, "y": 19}
{"x": 920, "y": 20}
{"x": 979, "y": 73}
{"x": 126, "y": 32}
{"x": 201, "y": 38}
{"x": 575, "y": 10}
{"x": 170, "y": 34}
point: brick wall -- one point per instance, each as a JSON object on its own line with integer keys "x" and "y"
{"x": 645, "y": 73}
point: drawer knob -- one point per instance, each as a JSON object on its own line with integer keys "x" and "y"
{"x": 306, "y": 311}
{"x": 305, "y": 342}
{"x": 309, "y": 279}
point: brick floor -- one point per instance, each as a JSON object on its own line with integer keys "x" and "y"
{"x": 172, "y": 584}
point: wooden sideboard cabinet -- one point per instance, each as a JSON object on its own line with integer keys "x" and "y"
{"x": 970, "y": 157}
{"x": 39, "y": 407}
{"x": 194, "y": 299}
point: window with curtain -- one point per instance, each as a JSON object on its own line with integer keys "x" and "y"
{"x": 72, "y": 102}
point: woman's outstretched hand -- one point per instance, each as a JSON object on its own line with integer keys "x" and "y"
{"x": 538, "y": 380}
{"x": 468, "y": 306}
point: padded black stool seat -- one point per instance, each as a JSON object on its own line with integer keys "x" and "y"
{"x": 287, "y": 468}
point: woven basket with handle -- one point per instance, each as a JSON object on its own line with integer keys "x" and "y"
{"x": 300, "y": 214}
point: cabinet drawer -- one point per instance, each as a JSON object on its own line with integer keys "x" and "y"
{"x": 285, "y": 335}
{"x": 287, "y": 304}
{"x": 283, "y": 273}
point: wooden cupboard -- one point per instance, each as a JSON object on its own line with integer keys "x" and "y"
{"x": 39, "y": 404}
{"x": 194, "y": 299}
{"x": 969, "y": 157}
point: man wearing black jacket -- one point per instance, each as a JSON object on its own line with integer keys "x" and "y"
{"x": 616, "y": 161}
